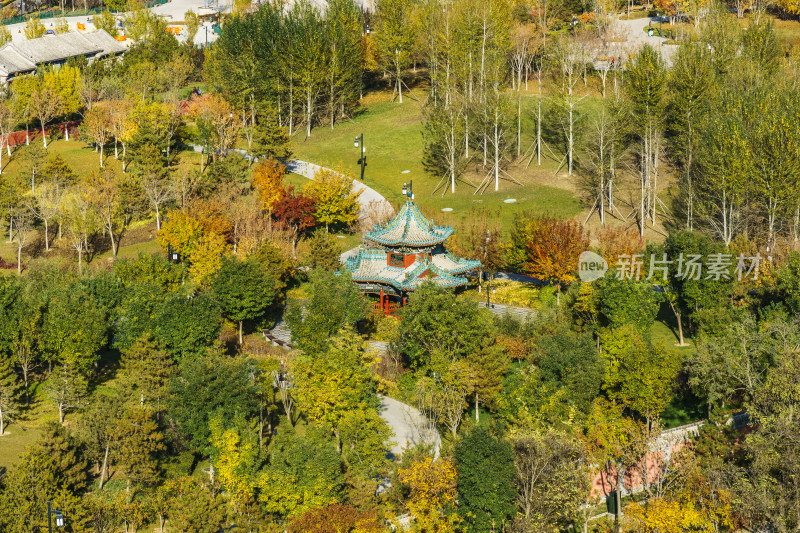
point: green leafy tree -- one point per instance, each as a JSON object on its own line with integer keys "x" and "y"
{"x": 97, "y": 430}
{"x": 438, "y": 328}
{"x": 105, "y": 21}
{"x": 489, "y": 365}
{"x": 693, "y": 290}
{"x": 305, "y": 472}
{"x": 154, "y": 269}
{"x": 773, "y": 450}
{"x": 486, "y": 490}
{"x": 692, "y": 81}
{"x": 138, "y": 444}
{"x": 211, "y": 387}
{"x": 627, "y": 301}
{"x": 74, "y": 329}
{"x": 551, "y": 483}
{"x": 570, "y": 361}
{"x": 244, "y": 290}
{"x": 638, "y": 374}
{"x": 334, "y": 302}
{"x": 27, "y": 489}
{"x": 196, "y": 508}
{"x": 789, "y": 281}
{"x": 646, "y": 78}
{"x": 394, "y": 39}
{"x": 365, "y": 437}
{"x": 270, "y": 139}
{"x": 186, "y": 327}
{"x": 733, "y": 365}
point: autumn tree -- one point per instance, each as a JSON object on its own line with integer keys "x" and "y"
{"x": 335, "y": 200}
{"x": 335, "y": 518}
{"x": 333, "y": 382}
{"x": 97, "y": 122}
{"x": 45, "y": 105}
{"x": 34, "y": 28}
{"x": 267, "y": 180}
{"x": 433, "y": 493}
{"x": 217, "y": 126}
{"x": 547, "y": 248}
{"x": 296, "y": 213}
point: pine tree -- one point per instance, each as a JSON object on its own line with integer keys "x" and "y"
{"x": 62, "y": 448}
{"x": 271, "y": 140}
{"x": 146, "y": 370}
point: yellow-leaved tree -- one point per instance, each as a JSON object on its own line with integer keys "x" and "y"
{"x": 67, "y": 83}
{"x": 433, "y": 493}
{"x": 336, "y": 200}
{"x": 331, "y": 384}
{"x": 682, "y": 513}
{"x": 267, "y": 180}
{"x": 200, "y": 237}
{"x": 233, "y": 458}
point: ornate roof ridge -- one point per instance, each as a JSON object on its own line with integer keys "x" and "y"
{"x": 410, "y": 227}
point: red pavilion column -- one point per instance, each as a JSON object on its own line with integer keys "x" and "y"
{"x": 381, "y": 299}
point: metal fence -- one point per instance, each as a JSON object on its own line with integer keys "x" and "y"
{"x": 76, "y": 13}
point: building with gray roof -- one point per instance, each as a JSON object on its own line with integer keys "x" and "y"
{"x": 17, "y": 59}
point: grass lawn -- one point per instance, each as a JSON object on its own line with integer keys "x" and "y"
{"x": 394, "y": 145}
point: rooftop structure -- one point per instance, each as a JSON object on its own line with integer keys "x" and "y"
{"x": 397, "y": 257}
{"x": 24, "y": 57}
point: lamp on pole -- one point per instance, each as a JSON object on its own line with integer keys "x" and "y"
{"x": 359, "y": 143}
{"x": 408, "y": 190}
{"x": 489, "y": 305}
{"x": 54, "y": 514}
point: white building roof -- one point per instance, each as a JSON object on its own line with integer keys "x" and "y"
{"x": 25, "y": 56}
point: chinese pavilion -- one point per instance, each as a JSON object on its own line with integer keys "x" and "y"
{"x": 398, "y": 256}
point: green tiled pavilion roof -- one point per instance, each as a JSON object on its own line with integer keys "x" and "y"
{"x": 371, "y": 266}
{"x": 409, "y": 228}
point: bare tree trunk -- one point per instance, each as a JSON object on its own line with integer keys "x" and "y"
{"x": 105, "y": 465}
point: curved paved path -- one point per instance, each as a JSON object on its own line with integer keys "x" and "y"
{"x": 633, "y": 31}
{"x": 409, "y": 425}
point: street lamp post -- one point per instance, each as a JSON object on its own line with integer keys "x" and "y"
{"x": 408, "y": 189}
{"x": 51, "y": 514}
{"x": 359, "y": 143}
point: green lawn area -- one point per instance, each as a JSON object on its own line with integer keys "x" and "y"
{"x": 394, "y": 144}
